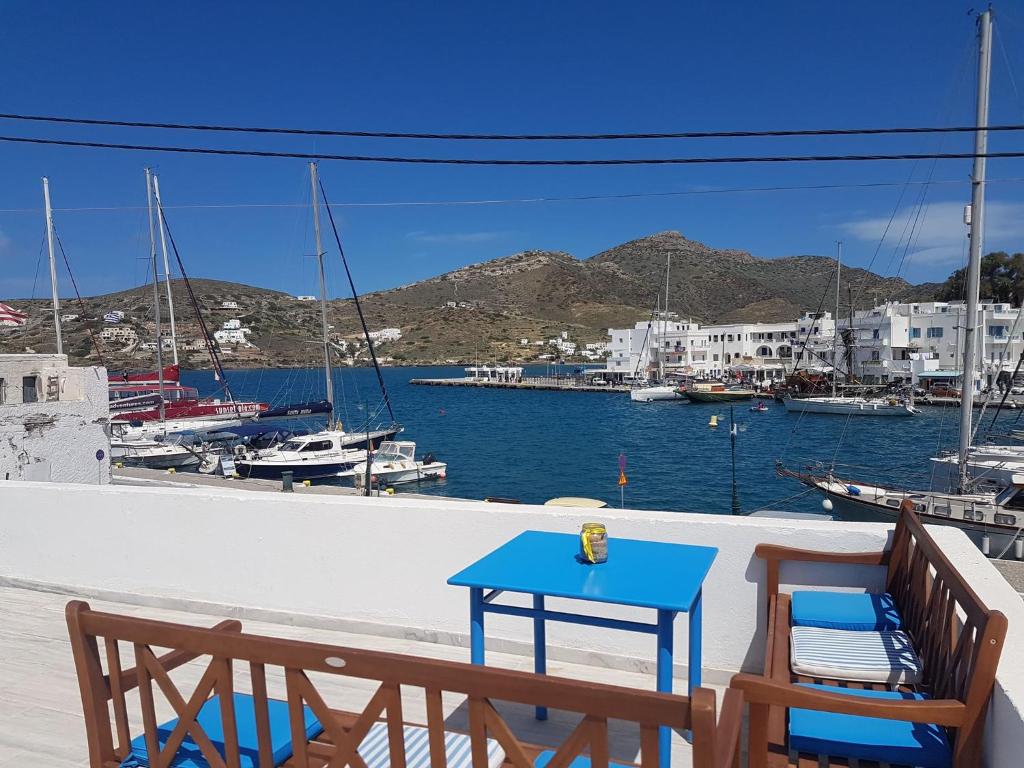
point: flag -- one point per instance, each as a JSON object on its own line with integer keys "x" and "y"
{"x": 622, "y": 477}
{"x": 622, "y": 469}
{"x": 11, "y": 317}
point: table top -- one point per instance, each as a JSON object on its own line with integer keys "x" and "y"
{"x": 647, "y": 574}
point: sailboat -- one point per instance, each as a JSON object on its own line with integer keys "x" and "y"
{"x": 660, "y": 391}
{"x": 992, "y": 520}
{"x": 331, "y": 452}
{"x": 844, "y": 405}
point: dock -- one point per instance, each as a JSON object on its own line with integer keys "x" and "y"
{"x": 550, "y": 383}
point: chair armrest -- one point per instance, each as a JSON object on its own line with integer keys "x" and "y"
{"x": 778, "y": 553}
{"x": 727, "y": 735}
{"x": 758, "y": 690}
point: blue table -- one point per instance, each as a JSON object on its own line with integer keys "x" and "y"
{"x": 646, "y": 574}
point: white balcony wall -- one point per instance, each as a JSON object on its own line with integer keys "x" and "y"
{"x": 380, "y": 565}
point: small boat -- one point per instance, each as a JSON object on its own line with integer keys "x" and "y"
{"x": 653, "y": 393}
{"x": 716, "y": 392}
{"x": 759, "y": 408}
{"x": 396, "y": 463}
{"x": 576, "y": 501}
{"x": 153, "y": 454}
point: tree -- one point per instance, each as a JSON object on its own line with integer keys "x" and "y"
{"x": 1002, "y": 279}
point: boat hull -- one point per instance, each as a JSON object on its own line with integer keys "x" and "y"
{"x": 316, "y": 467}
{"x": 719, "y": 397}
{"x": 855, "y": 408}
{"x": 654, "y": 394}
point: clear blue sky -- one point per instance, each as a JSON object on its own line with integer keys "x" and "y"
{"x": 490, "y": 67}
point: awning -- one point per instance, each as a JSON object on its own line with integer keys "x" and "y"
{"x": 939, "y": 375}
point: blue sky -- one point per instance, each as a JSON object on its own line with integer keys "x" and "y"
{"x": 490, "y": 67}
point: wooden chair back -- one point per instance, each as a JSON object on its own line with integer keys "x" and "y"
{"x": 957, "y": 637}
{"x": 105, "y": 682}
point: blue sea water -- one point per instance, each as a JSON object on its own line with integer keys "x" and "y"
{"x": 535, "y": 445}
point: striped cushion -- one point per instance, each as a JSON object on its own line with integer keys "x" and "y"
{"x": 374, "y": 749}
{"x": 840, "y": 654}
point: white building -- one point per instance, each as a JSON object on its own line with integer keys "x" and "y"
{"x": 236, "y": 336}
{"x": 898, "y": 342}
{"x": 232, "y": 325}
{"x": 386, "y": 334}
{"x": 53, "y": 420}
{"x": 229, "y": 305}
{"x": 121, "y": 334}
{"x": 68, "y": 318}
{"x": 305, "y": 298}
{"x": 761, "y": 350}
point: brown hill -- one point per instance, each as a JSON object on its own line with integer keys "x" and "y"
{"x": 482, "y": 311}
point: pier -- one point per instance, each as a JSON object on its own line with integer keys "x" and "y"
{"x": 561, "y": 384}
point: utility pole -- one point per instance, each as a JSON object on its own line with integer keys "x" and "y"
{"x": 53, "y": 266}
{"x": 328, "y": 374}
{"x": 156, "y": 294}
{"x": 167, "y": 270}
{"x": 977, "y": 230}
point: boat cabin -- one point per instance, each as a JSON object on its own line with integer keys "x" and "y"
{"x": 313, "y": 443}
{"x": 172, "y": 392}
{"x": 396, "y": 450}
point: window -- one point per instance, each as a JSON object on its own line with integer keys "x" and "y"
{"x": 875, "y": 356}
{"x": 997, "y": 331}
{"x": 935, "y": 333}
{"x": 1006, "y": 519}
{"x": 730, "y": 337}
{"x": 715, "y": 357}
{"x": 715, "y": 338}
{"x": 29, "y": 389}
{"x": 978, "y": 517}
{"x": 2, "y": 390}
{"x": 319, "y": 445}
{"x": 915, "y": 333}
{"x": 874, "y": 334}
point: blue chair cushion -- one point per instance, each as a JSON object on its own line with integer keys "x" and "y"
{"x": 580, "y": 762}
{"x": 869, "y": 738}
{"x": 845, "y": 610}
{"x": 209, "y": 719}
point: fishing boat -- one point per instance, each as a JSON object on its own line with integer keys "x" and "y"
{"x": 396, "y": 463}
{"x": 716, "y": 392}
{"x": 992, "y": 520}
{"x": 331, "y": 452}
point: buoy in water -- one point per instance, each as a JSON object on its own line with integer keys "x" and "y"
{"x": 713, "y": 422}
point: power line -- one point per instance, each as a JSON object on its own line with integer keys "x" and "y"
{"x": 506, "y": 136}
{"x": 524, "y": 200}
{"x": 720, "y": 160}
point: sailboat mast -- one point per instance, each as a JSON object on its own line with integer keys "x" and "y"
{"x": 156, "y": 294}
{"x": 167, "y": 269}
{"x": 977, "y": 229}
{"x": 835, "y": 320}
{"x": 53, "y": 266}
{"x": 328, "y": 377}
{"x": 664, "y": 320}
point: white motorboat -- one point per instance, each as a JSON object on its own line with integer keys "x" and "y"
{"x": 330, "y": 453}
{"x": 396, "y": 463}
{"x": 153, "y": 454}
{"x": 857, "y": 406}
{"x": 654, "y": 393}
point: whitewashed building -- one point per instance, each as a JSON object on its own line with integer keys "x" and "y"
{"x": 120, "y": 334}
{"x": 386, "y": 334}
{"x": 53, "y": 420}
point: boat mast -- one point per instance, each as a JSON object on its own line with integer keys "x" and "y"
{"x": 167, "y": 269}
{"x": 977, "y": 229}
{"x": 315, "y": 201}
{"x": 53, "y": 266}
{"x": 664, "y": 321}
{"x": 835, "y": 320}
{"x": 156, "y": 294}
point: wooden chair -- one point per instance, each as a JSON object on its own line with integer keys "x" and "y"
{"x": 958, "y": 639}
{"x": 315, "y": 735}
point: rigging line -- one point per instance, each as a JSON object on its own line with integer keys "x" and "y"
{"x": 359, "y": 308}
{"x": 502, "y": 136}
{"x": 78, "y": 295}
{"x": 521, "y": 200}
{"x": 210, "y": 341}
{"x": 39, "y": 261}
{"x": 709, "y": 160}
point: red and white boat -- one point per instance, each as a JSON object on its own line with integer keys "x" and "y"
{"x": 141, "y": 402}
{"x": 172, "y": 375}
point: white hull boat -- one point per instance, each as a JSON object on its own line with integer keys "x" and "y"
{"x": 990, "y": 468}
{"x": 396, "y": 463}
{"x": 846, "y": 406}
{"x": 153, "y": 454}
{"x": 652, "y": 394}
{"x": 331, "y": 453}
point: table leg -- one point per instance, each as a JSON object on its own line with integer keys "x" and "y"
{"x": 476, "y": 625}
{"x": 693, "y": 680}
{"x": 540, "y": 648}
{"x": 665, "y": 622}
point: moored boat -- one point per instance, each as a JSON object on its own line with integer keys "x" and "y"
{"x": 656, "y": 393}
{"x": 396, "y": 463}
{"x": 703, "y": 392}
{"x": 858, "y": 406}
{"x": 330, "y": 453}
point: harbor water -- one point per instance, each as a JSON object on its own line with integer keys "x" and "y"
{"x": 536, "y": 445}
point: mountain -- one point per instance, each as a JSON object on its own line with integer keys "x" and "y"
{"x": 483, "y": 310}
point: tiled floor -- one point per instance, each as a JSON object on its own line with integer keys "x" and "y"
{"x": 40, "y": 709}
